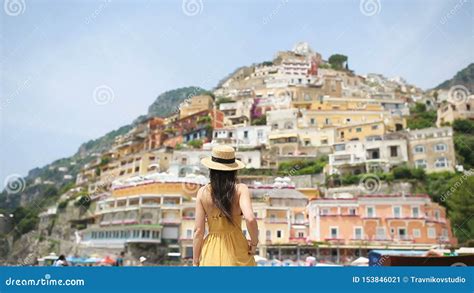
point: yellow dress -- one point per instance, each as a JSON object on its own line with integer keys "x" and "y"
{"x": 225, "y": 244}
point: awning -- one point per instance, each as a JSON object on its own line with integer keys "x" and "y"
{"x": 286, "y": 135}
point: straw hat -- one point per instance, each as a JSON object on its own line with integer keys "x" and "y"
{"x": 223, "y": 159}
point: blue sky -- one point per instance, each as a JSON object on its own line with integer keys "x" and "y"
{"x": 54, "y": 55}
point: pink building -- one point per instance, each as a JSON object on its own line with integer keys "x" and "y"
{"x": 379, "y": 221}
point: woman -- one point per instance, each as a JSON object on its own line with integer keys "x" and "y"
{"x": 222, "y": 203}
{"x": 61, "y": 261}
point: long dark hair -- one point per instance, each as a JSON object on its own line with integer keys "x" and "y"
{"x": 223, "y": 190}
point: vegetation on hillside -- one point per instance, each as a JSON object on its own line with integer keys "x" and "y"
{"x": 168, "y": 102}
{"x": 302, "y": 167}
{"x": 465, "y": 77}
{"x": 461, "y": 208}
{"x": 420, "y": 117}
{"x": 464, "y": 142}
{"x": 338, "y": 61}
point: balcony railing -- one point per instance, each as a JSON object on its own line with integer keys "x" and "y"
{"x": 189, "y": 218}
{"x": 170, "y": 221}
{"x": 276, "y": 220}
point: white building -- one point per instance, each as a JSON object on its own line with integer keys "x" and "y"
{"x": 367, "y": 156}
{"x": 241, "y": 137}
{"x": 282, "y": 119}
{"x": 189, "y": 161}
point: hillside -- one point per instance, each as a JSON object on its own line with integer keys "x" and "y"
{"x": 53, "y": 183}
{"x": 464, "y": 77}
{"x": 167, "y": 103}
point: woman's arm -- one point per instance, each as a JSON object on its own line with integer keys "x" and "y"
{"x": 246, "y": 207}
{"x": 199, "y": 226}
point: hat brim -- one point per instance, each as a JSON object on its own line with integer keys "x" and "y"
{"x": 208, "y": 162}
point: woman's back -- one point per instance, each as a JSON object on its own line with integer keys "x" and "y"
{"x": 215, "y": 218}
{"x": 225, "y": 244}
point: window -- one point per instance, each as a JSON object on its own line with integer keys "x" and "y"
{"x": 358, "y": 129}
{"x": 415, "y": 212}
{"x": 416, "y": 233}
{"x": 269, "y": 235}
{"x": 370, "y": 212}
{"x": 300, "y": 234}
{"x": 441, "y": 163}
{"x": 334, "y": 231}
{"x": 312, "y": 121}
{"x": 260, "y": 134}
{"x": 393, "y": 151}
{"x": 327, "y": 121}
{"x": 420, "y": 164}
{"x": 374, "y": 127}
{"x": 380, "y": 233}
{"x": 358, "y": 233}
{"x": 440, "y": 147}
{"x": 279, "y": 233}
{"x": 348, "y": 120}
{"x": 246, "y": 134}
{"x": 325, "y": 211}
{"x": 397, "y": 212}
{"x": 437, "y": 215}
{"x": 339, "y": 147}
{"x": 431, "y": 233}
{"x": 352, "y": 211}
{"x": 419, "y": 149}
{"x": 324, "y": 141}
{"x": 402, "y": 233}
{"x": 145, "y": 234}
{"x": 189, "y": 233}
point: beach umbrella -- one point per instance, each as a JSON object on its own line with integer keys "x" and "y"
{"x": 107, "y": 261}
{"x": 259, "y": 258}
{"x": 361, "y": 261}
{"x": 92, "y": 260}
{"x": 288, "y": 263}
{"x": 275, "y": 263}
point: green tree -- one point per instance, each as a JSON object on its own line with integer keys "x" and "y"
{"x": 337, "y": 61}
{"x": 461, "y": 210}
{"x": 197, "y": 143}
{"x": 262, "y": 120}
{"x": 420, "y": 117}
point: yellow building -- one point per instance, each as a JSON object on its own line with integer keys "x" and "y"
{"x": 195, "y": 104}
{"x": 186, "y": 187}
{"x": 360, "y": 131}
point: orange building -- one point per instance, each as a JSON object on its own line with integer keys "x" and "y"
{"x": 377, "y": 221}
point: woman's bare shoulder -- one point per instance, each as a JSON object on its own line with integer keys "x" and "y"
{"x": 241, "y": 187}
{"x": 202, "y": 191}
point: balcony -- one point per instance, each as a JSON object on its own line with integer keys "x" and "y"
{"x": 130, "y": 221}
{"x": 170, "y": 221}
{"x": 276, "y": 221}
